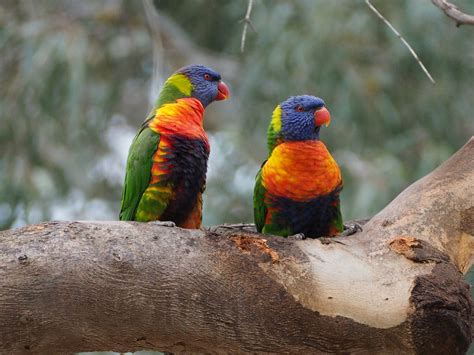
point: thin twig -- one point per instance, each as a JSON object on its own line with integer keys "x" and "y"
{"x": 154, "y": 22}
{"x": 454, "y": 13}
{"x": 247, "y": 22}
{"x": 401, "y": 38}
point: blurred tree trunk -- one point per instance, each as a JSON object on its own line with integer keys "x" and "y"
{"x": 395, "y": 287}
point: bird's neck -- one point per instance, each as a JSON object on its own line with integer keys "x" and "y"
{"x": 274, "y": 140}
{"x": 177, "y": 86}
{"x": 184, "y": 117}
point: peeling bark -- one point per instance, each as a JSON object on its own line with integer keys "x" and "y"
{"x": 123, "y": 286}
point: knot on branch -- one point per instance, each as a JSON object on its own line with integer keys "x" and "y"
{"x": 246, "y": 242}
{"x": 417, "y": 250}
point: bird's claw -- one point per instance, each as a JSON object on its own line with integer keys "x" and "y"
{"x": 351, "y": 229}
{"x": 299, "y": 236}
{"x": 329, "y": 240}
{"x": 164, "y": 223}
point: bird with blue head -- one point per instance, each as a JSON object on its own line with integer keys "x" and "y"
{"x": 297, "y": 188}
{"x": 167, "y": 161}
{"x": 194, "y": 81}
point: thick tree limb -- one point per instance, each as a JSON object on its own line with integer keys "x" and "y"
{"x": 454, "y": 13}
{"x": 396, "y": 287}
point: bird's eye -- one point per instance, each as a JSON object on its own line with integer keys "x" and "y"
{"x": 207, "y": 77}
{"x": 299, "y": 108}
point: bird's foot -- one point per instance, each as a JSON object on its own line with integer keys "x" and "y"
{"x": 330, "y": 240}
{"x": 164, "y": 223}
{"x": 299, "y": 236}
{"x": 350, "y": 229}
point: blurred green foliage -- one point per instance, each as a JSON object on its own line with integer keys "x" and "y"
{"x": 76, "y": 78}
{"x": 75, "y": 81}
{"x": 390, "y": 125}
{"x": 68, "y": 71}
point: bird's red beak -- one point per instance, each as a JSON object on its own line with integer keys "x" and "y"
{"x": 322, "y": 116}
{"x": 223, "y": 91}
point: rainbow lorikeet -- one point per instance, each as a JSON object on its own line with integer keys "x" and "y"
{"x": 167, "y": 161}
{"x": 297, "y": 188}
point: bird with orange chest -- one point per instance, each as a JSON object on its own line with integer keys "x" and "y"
{"x": 167, "y": 161}
{"x": 297, "y": 188}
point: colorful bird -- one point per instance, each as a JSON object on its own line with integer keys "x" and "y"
{"x": 297, "y": 188}
{"x": 167, "y": 161}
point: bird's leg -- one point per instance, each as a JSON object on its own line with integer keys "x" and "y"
{"x": 164, "y": 223}
{"x": 350, "y": 229}
{"x": 299, "y": 236}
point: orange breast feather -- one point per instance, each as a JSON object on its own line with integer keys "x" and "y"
{"x": 301, "y": 171}
{"x": 184, "y": 118}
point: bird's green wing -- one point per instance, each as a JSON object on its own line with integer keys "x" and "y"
{"x": 337, "y": 222}
{"x": 259, "y": 208}
{"x": 138, "y": 171}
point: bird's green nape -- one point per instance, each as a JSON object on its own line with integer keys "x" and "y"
{"x": 176, "y": 87}
{"x": 274, "y": 129}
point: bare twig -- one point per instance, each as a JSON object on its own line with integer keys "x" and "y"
{"x": 247, "y": 22}
{"x": 369, "y": 4}
{"x": 454, "y": 13}
{"x": 158, "y": 58}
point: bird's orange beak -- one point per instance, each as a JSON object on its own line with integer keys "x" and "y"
{"x": 223, "y": 91}
{"x": 322, "y": 116}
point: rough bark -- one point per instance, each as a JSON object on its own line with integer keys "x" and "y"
{"x": 395, "y": 287}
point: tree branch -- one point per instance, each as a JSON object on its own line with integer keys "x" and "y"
{"x": 394, "y": 30}
{"x": 454, "y": 13}
{"x": 157, "y": 79}
{"x": 396, "y": 287}
{"x": 247, "y": 22}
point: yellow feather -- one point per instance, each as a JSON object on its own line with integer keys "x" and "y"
{"x": 276, "y": 119}
{"x": 182, "y": 83}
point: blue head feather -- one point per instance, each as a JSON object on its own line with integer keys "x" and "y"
{"x": 297, "y": 118}
{"x": 204, "y": 81}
